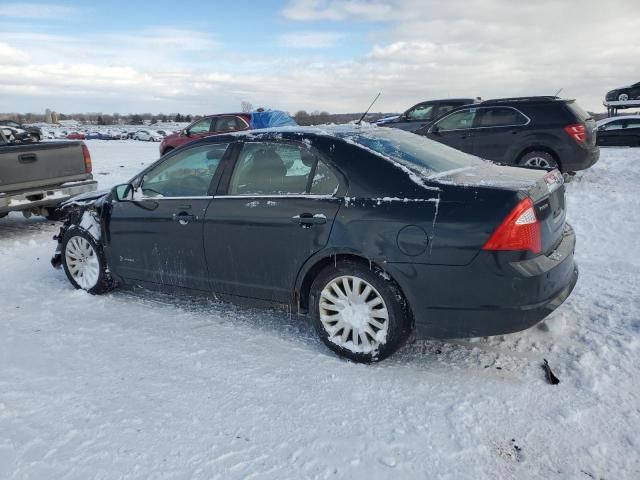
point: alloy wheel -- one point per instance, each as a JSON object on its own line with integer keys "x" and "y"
{"x": 538, "y": 162}
{"x": 82, "y": 262}
{"x": 354, "y": 314}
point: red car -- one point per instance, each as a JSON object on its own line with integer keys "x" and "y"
{"x": 76, "y": 136}
{"x": 205, "y": 127}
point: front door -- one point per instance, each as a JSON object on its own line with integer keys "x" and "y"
{"x": 278, "y": 211}
{"x": 158, "y": 236}
{"x": 455, "y": 130}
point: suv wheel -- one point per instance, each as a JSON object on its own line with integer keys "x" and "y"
{"x": 359, "y": 313}
{"x": 538, "y": 159}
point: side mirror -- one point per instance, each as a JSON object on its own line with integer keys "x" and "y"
{"x": 185, "y": 132}
{"x": 122, "y": 193}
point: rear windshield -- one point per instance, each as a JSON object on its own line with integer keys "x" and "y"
{"x": 412, "y": 149}
{"x": 578, "y": 111}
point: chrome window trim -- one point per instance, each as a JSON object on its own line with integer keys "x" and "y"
{"x": 283, "y": 195}
{"x": 203, "y": 197}
{"x": 478, "y": 128}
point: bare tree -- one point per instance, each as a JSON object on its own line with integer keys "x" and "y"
{"x": 246, "y": 106}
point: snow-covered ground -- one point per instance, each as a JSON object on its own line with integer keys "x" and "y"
{"x": 138, "y": 385}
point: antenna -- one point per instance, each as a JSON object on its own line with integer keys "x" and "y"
{"x": 558, "y": 92}
{"x": 367, "y": 110}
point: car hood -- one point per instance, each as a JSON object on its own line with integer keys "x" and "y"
{"x": 86, "y": 197}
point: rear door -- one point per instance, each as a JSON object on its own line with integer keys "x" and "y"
{"x": 497, "y": 128}
{"x": 158, "y": 237}
{"x": 455, "y": 129}
{"x": 277, "y": 211}
{"x": 612, "y": 133}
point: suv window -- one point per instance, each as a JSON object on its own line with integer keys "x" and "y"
{"x": 279, "y": 169}
{"x": 459, "y": 120}
{"x": 500, "y": 117}
{"x": 421, "y": 112}
{"x": 186, "y": 174}
{"x": 227, "y": 124}
{"x": 201, "y": 126}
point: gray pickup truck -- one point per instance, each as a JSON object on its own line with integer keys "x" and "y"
{"x": 35, "y": 178}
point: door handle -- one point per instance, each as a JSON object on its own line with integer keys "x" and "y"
{"x": 183, "y": 218}
{"x": 308, "y": 219}
{"x": 27, "y": 158}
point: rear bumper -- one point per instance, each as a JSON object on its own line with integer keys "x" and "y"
{"x": 580, "y": 159}
{"x": 487, "y": 297}
{"x": 43, "y": 197}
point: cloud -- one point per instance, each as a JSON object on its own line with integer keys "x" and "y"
{"x": 315, "y": 10}
{"x": 12, "y": 56}
{"x": 35, "y": 11}
{"x": 310, "y": 39}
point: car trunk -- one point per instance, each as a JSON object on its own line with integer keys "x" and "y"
{"x": 39, "y": 165}
{"x": 511, "y": 185}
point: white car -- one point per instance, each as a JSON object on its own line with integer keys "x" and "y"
{"x": 148, "y": 136}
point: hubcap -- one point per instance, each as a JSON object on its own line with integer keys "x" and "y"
{"x": 353, "y": 314}
{"x": 82, "y": 262}
{"x": 623, "y": 97}
{"x": 539, "y": 162}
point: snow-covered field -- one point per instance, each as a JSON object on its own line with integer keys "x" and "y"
{"x": 143, "y": 386}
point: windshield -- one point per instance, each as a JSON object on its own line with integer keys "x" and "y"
{"x": 412, "y": 149}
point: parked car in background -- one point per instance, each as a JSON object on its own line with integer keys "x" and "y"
{"x": 423, "y": 113}
{"x": 76, "y": 136}
{"x": 623, "y": 131}
{"x": 205, "y": 127}
{"x": 624, "y": 94}
{"x": 98, "y": 136}
{"x": 34, "y": 132}
{"x": 374, "y": 232}
{"x": 539, "y": 132}
{"x": 146, "y": 135}
{"x": 16, "y": 135}
{"x": 165, "y": 133}
{"x": 36, "y": 177}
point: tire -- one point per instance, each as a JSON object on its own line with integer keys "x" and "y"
{"x": 35, "y": 137}
{"x": 84, "y": 263}
{"x": 372, "y": 301}
{"x": 623, "y": 97}
{"x": 538, "y": 159}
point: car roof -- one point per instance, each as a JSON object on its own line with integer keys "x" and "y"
{"x": 531, "y": 99}
{"x": 602, "y": 121}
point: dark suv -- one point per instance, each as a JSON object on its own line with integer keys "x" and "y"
{"x": 541, "y": 132}
{"x": 423, "y": 113}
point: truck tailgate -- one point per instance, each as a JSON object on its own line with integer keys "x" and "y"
{"x": 41, "y": 164}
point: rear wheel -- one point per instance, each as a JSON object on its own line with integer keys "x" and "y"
{"x": 358, "y": 312}
{"x": 84, "y": 262}
{"x": 538, "y": 159}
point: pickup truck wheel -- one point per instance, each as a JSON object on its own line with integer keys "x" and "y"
{"x": 84, "y": 262}
{"x": 359, "y": 313}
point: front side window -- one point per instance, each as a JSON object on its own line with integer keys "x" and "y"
{"x": 501, "y": 117}
{"x": 615, "y": 125}
{"x": 633, "y": 123}
{"x": 459, "y": 120}
{"x": 201, "y": 126}
{"x": 421, "y": 112}
{"x": 186, "y": 174}
{"x": 279, "y": 169}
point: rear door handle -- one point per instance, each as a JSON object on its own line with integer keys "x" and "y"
{"x": 306, "y": 219}
{"x": 27, "y": 158}
{"x": 183, "y": 218}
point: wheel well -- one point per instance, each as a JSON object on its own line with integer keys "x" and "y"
{"x": 305, "y": 287}
{"x": 540, "y": 149}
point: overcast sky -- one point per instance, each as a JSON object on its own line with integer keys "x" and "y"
{"x": 207, "y": 57}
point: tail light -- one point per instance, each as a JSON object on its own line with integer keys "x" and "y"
{"x": 577, "y": 131}
{"x": 87, "y": 159}
{"x": 519, "y": 231}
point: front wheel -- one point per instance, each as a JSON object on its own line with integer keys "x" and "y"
{"x": 623, "y": 97}
{"x": 84, "y": 262}
{"x": 359, "y": 312}
{"x": 538, "y": 159}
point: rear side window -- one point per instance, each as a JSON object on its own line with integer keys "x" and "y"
{"x": 500, "y": 117}
{"x": 227, "y": 124}
{"x": 280, "y": 169}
